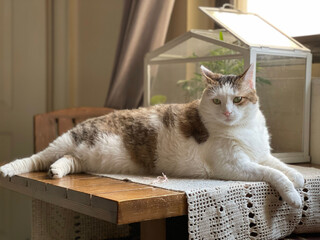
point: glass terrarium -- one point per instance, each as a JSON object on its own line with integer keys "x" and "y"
{"x": 283, "y": 73}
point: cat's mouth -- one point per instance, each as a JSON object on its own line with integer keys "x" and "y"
{"x": 229, "y": 120}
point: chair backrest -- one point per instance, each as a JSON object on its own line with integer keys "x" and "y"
{"x": 48, "y": 126}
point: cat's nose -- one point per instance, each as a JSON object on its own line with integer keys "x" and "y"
{"x": 227, "y": 113}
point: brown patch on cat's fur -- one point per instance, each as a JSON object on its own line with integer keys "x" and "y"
{"x": 191, "y": 125}
{"x": 133, "y": 126}
{"x": 229, "y": 79}
{"x": 252, "y": 96}
{"x": 169, "y": 117}
{"x": 85, "y": 132}
{"x": 248, "y": 95}
{"x": 233, "y": 81}
{"x": 140, "y": 139}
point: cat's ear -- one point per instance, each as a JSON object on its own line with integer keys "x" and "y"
{"x": 247, "y": 77}
{"x": 211, "y": 78}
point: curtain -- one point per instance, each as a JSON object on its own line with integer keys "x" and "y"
{"x": 144, "y": 27}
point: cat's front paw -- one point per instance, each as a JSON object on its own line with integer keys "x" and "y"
{"x": 55, "y": 172}
{"x": 293, "y": 199}
{"x": 297, "y": 179}
{"x": 7, "y": 170}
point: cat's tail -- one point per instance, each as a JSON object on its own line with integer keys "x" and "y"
{"x": 42, "y": 160}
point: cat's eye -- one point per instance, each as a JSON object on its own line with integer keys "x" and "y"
{"x": 237, "y": 99}
{"x": 216, "y": 101}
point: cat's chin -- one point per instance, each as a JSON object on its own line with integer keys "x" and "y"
{"x": 227, "y": 122}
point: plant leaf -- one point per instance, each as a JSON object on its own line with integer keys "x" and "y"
{"x": 158, "y": 99}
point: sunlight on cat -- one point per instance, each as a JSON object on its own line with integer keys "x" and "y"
{"x": 223, "y": 135}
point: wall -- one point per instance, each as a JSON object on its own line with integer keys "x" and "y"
{"x": 23, "y": 78}
{"x": 85, "y": 41}
{"x": 315, "y": 115}
{"x": 98, "y": 31}
{"x": 53, "y": 55}
{"x": 186, "y": 16}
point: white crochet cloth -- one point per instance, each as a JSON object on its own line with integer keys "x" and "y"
{"x": 243, "y": 210}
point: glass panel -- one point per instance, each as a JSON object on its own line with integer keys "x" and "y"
{"x": 182, "y": 82}
{"x": 281, "y": 87}
{"x": 222, "y": 35}
{"x": 193, "y": 48}
{"x": 251, "y": 28}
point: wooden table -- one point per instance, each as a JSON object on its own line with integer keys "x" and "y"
{"x": 108, "y": 199}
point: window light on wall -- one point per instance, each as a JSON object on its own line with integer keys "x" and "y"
{"x": 293, "y": 17}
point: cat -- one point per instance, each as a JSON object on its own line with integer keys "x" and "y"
{"x": 222, "y": 135}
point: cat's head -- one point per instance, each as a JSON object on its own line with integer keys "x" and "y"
{"x": 229, "y": 99}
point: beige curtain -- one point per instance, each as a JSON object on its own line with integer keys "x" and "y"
{"x": 144, "y": 27}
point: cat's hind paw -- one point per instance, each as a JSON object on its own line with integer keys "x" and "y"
{"x": 55, "y": 172}
{"x": 7, "y": 170}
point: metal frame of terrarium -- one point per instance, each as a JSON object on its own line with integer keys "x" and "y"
{"x": 249, "y": 53}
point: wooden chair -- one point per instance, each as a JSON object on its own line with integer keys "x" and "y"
{"x": 49, "y": 126}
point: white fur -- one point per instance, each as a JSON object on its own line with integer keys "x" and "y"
{"x": 179, "y": 156}
{"x": 110, "y": 156}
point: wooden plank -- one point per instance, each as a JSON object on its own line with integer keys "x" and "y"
{"x": 19, "y": 180}
{"x": 80, "y": 119}
{"x": 64, "y": 124}
{"x": 80, "y": 197}
{"x": 46, "y": 128}
{"x": 34, "y": 175}
{"x": 144, "y": 204}
{"x": 152, "y": 208}
{"x": 45, "y": 131}
{"x": 71, "y": 183}
{"x": 108, "y": 187}
{"x": 83, "y": 193}
{"x": 86, "y": 112}
{"x": 37, "y": 185}
{"x": 57, "y": 191}
{"x": 60, "y": 187}
{"x": 109, "y": 215}
{"x": 154, "y": 229}
{"x": 5, "y": 180}
{"x": 42, "y": 177}
{"x": 137, "y": 194}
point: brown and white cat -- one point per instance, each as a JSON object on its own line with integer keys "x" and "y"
{"x": 221, "y": 136}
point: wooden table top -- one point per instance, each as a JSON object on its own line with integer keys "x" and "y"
{"x": 109, "y": 199}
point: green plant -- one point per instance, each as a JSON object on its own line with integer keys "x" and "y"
{"x": 158, "y": 99}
